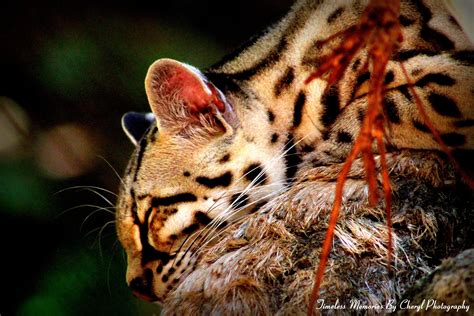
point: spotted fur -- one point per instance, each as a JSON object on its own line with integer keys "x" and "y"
{"x": 224, "y": 142}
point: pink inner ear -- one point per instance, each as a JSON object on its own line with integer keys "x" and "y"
{"x": 191, "y": 90}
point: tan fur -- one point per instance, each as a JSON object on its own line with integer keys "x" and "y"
{"x": 262, "y": 263}
{"x": 301, "y": 46}
{"x": 273, "y": 254}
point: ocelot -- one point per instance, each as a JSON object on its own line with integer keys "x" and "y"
{"x": 248, "y": 138}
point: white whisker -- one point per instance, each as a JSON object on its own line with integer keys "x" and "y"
{"x": 99, "y": 236}
{"x": 106, "y": 209}
{"x": 210, "y": 236}
{"x": 113, "y": 169}
{"x": 100, "y": 195}
{"x": 92, "y": 213}
{"x": 84, "y": 187}
{"x": 227, "y": 213}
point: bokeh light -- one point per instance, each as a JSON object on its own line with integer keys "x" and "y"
{"x": 66, "y": 151}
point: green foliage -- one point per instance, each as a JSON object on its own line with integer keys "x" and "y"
{"x": 114, "y": 54}
{"x": 76, "y": 278}
{"x": 89, "y": 72}
{"x": 69, "y": 63}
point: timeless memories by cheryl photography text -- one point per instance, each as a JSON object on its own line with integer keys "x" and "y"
{"x": 392, "y": 306}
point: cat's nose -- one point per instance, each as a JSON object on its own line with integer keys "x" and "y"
{"x": 142, "y": 287}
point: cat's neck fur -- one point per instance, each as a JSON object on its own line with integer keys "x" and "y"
{"x": 272, "y": 69}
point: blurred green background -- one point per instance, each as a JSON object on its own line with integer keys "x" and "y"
{"x": 69, "y": 71}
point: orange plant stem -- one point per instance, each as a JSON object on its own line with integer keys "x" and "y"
{"x": 419, "y": 104}
{"x": 327, "y": 244}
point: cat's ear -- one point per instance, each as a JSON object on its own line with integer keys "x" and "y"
{"x": 136, "y": 124}
{"x": 180, "y": 96}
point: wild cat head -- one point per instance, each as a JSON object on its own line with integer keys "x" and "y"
{"x": 195, "y": 169}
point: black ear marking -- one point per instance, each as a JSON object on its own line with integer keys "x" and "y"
{"x": 136, "y": 124}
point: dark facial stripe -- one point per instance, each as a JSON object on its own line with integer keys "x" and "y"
{"x": 253, "y": 171}
{"x": 141, "y": 149}
{"x": 173, "y": 199}
{"x": 239, "y": 200}
{"x": 391, "y": 111}
{"x": 312, "y": 56}
{"x": 279, "y": 50}
{"x": 454, "y": 22}
{"x": 159, "y": 268}
{"x": 333, "y": 16}
{"x": 220, "y": 181}
{"x": 464, "y": 56}
{"x": 148, "y": 252}
{"x": 407, "y": 54}
{"x": 344, "y": 137}
{"x": 190, "y": 229}
{"x": 295, "y": 26}
{"x": 133, "y": 208}
{"x": 273, "y": 57}
{"x": 153, "y": 134}
{"x": 274, "y": 138}
{"x": 453, "y": 139}
{"x": 163, "y": 257}
{"x": 406, "y": 93}
{"x": 360, "y": 114}
{"x": 405, "y": 21}
{"x": 224, "y": 158}
{"x": 464, "y": 123}
{"x": 258, "y": 206}
{"x": 330, "y": 102}
{"x": 421, "y": 126}
{"x": 307, "y": 148}
{"x": 356, "y": 64}
{"x": 271, "y": 116}
{"x": 389, "y": 77}
{"x": 361, "y": 79}
{"x": 202, "y": 218}
{"x": 298, "y": 109}
{"x": 292, "y": 160}
{"x": 284, "y": 82}
{"x": 444, "y": 105}
{"x": 173, "y": 237}
{"x": 439, "y": 79}
{"x": 325, "y": 135}
{"x": 435, "y": 38}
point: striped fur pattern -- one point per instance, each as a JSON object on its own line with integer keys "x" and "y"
{"x": 224, "y": 142}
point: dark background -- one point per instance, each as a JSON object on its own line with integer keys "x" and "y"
{"x": 69, "y": 71}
